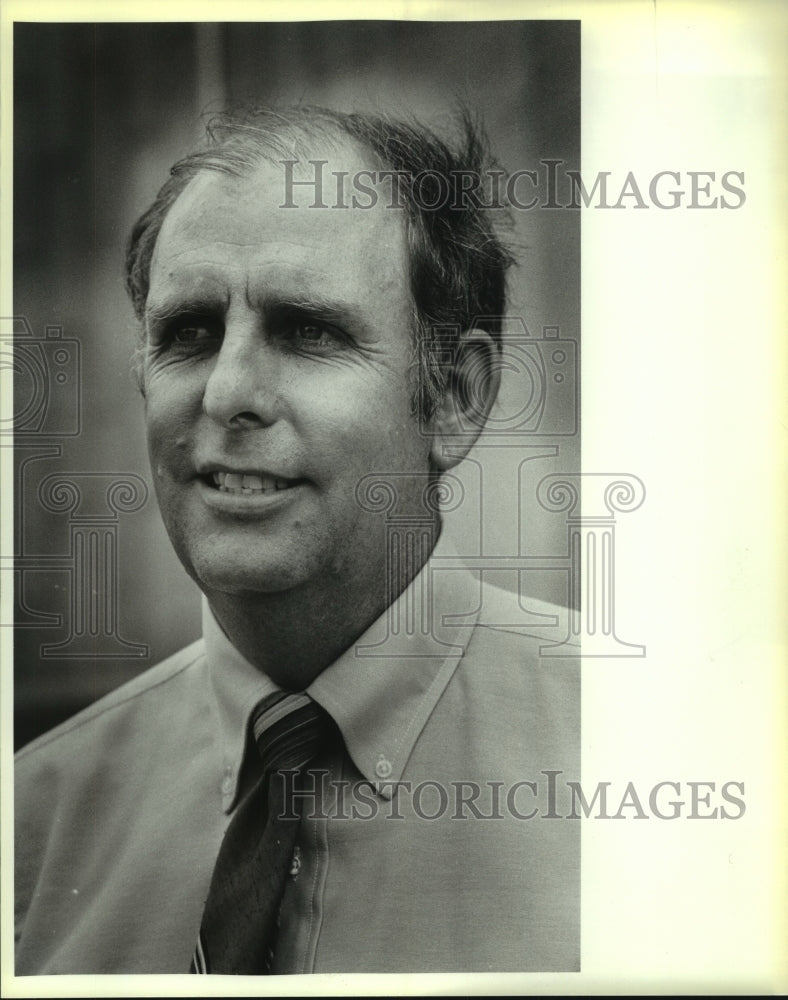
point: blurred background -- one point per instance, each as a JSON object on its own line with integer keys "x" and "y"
{"x": 101, "y": 111}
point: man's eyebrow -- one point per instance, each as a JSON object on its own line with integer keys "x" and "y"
{"x": 315, "y": 305}
{"x": 168, "y": 308}
{"x": 272, "y": 304}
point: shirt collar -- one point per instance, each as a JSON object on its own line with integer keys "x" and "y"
{"x": 238, "y": 687}
{"x": 380, "y": 691}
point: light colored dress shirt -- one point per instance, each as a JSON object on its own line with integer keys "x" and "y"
{"x": 434, "y": 840}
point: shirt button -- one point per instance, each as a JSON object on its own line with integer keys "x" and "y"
{"x": 227, "y": 785}
{"x": 383, "y": 768}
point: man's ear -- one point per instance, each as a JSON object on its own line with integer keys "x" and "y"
{"x": 467, "y": 400}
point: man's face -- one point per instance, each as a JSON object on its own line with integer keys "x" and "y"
{"x": 277, "y": 375}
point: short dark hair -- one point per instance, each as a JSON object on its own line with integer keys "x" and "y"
{"x": 458, "y": 259}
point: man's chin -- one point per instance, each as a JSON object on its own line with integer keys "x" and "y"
{"x": 244, "y": 584}
{"x": 242, "y": 578}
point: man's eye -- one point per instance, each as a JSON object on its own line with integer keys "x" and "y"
{"x": 311, "y": 332}
{"x": 193, "y": 333}
{"x": 314, "y": 336}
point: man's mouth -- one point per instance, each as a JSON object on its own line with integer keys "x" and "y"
{"x": 249, "y": 483}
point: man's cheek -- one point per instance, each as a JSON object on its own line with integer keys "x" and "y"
{"x": 169, "y": 419}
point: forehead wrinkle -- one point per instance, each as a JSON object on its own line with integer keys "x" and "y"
{"x": 273, "y": 244}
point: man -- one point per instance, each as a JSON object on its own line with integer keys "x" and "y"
{"x": 301, "y": 412}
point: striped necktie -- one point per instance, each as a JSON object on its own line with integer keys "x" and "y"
{"x": 239, "y": 922}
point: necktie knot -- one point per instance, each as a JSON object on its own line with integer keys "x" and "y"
{"x": 289, "y": 730}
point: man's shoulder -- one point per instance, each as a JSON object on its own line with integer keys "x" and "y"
{"x": 514, "y": 698}
{"x": 521, "y": 652}
{"x": 507, "y": 617}
{"x": 152, "y": 687}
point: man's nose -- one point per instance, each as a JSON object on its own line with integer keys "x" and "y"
{"x": 242, "y": 388}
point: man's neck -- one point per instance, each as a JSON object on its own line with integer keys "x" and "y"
{"x": 293, "y": 635}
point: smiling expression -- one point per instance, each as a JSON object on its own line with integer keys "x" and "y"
{"x": 277, "y": 374}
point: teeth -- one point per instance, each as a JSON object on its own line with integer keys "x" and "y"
{"x": 247, "y": 482}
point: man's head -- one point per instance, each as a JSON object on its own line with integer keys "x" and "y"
{"x": 279, "y": 346}
{"x": 457, "y": 260}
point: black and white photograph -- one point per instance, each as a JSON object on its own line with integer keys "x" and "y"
{"x": 382, "y": 397}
